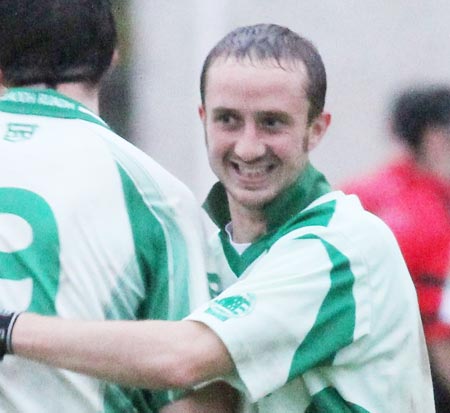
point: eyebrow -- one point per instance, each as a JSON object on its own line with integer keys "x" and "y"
{"x": 280, "y": 115}
{"x": 221, "y": 109}
{"x": 285, "y": 117}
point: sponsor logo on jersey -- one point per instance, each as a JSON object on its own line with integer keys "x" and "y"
{"x": 232, "y": 307}
{"x": 18, "y": 132}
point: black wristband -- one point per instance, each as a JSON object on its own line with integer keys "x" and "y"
{"x": 7, "y": 320}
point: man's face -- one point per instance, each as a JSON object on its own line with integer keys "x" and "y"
{"x": 256, "y": 125}
{"x": 436, "y": 151}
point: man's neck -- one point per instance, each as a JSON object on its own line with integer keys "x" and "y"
{"x": 87, "y": 95}
{"x": 248, "y": 224}
{"x": 81, "y": 92}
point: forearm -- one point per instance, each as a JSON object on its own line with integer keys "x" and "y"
{"x": 149, "y": 354}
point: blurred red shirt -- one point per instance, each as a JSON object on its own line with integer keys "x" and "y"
{"x": 416, "y": 206}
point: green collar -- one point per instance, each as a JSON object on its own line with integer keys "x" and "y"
{"x": 310, "y": 185}
{"x": 46, "y": 102}
{"x": 283, "y": 215}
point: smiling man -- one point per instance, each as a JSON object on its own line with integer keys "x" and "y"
{"x": 318, "y": 312}
{"x": 258, "y": 134}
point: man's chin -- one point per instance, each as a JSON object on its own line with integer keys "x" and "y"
{"x": 252, "y": 199}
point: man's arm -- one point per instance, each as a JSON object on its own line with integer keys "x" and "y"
{"x": 148, "y": 354}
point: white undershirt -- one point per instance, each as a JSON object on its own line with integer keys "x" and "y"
{"x": 239, "y": 247}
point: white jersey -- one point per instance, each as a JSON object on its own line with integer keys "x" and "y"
{"x": 90, "y": 228}
{"x": 320, "y": 314}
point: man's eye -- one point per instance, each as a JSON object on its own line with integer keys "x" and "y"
{"x": 272, "y": 123}
{"x": 226, "y": 119}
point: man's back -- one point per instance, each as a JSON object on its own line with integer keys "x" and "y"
{"x": 90, "y": 228}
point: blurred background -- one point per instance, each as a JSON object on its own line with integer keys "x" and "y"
{"x": 370, "y": 48}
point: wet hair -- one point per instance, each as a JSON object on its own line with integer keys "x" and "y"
{"x": 414, "y": 110}
{"x": 272, "y": 42}
{"x": 55, "y": 41}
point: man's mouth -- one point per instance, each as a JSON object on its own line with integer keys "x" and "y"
{"x": 252, "y": 172}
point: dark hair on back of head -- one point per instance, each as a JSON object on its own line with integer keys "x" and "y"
{"x": 417, "y": 109}
{"x": 272, "y": 42}
{"x": 55, "y": 41}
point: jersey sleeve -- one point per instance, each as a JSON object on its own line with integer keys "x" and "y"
{"x": 292, "y": 311}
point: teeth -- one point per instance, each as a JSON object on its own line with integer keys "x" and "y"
{"x": 252, "y": 171}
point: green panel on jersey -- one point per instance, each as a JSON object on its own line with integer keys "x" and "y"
{"x": 167, "y": 277}
{"x": 310, "y": 185}
{"x": 239, "y": 263}
{"x": 330, "y": 401}
{"x": 335, "y": 322}
{"x": 214, "y": 284}
{"x": 319, "y": 215}
{"x": 283, "y": 216}
{"x": 126, "y": 399}
{"x": 151, "y": 251}
{"x": 39, "y": 261}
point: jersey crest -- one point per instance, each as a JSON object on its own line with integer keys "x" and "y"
{"x": 231, "y": 307}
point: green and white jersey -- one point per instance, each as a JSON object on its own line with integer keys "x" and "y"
{"x": 320, "y": 314}
{"x": 90, "y": 228}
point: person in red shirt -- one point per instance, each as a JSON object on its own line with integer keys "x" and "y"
{"x": 412, "y": 195}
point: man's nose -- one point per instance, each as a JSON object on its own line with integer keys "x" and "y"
{"x": 250, "y": 145}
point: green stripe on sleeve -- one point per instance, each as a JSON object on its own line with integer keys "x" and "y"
{"x": 330, "y": 401}
{"x": 335, "y": 322}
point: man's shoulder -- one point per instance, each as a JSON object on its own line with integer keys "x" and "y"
{"x": 333, "y": 216}
{"x": 340, "y": 220}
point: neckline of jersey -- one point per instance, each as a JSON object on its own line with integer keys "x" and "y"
{"x": 46, "y": 102}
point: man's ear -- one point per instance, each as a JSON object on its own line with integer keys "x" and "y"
{"x": 115, "y": 58}
{"x": 317, "y": 129}
{"x": 2, "y": 84}
{"x": 202, "y": 113}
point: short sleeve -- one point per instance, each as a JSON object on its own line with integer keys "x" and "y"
{"x": 292, "y": 311}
